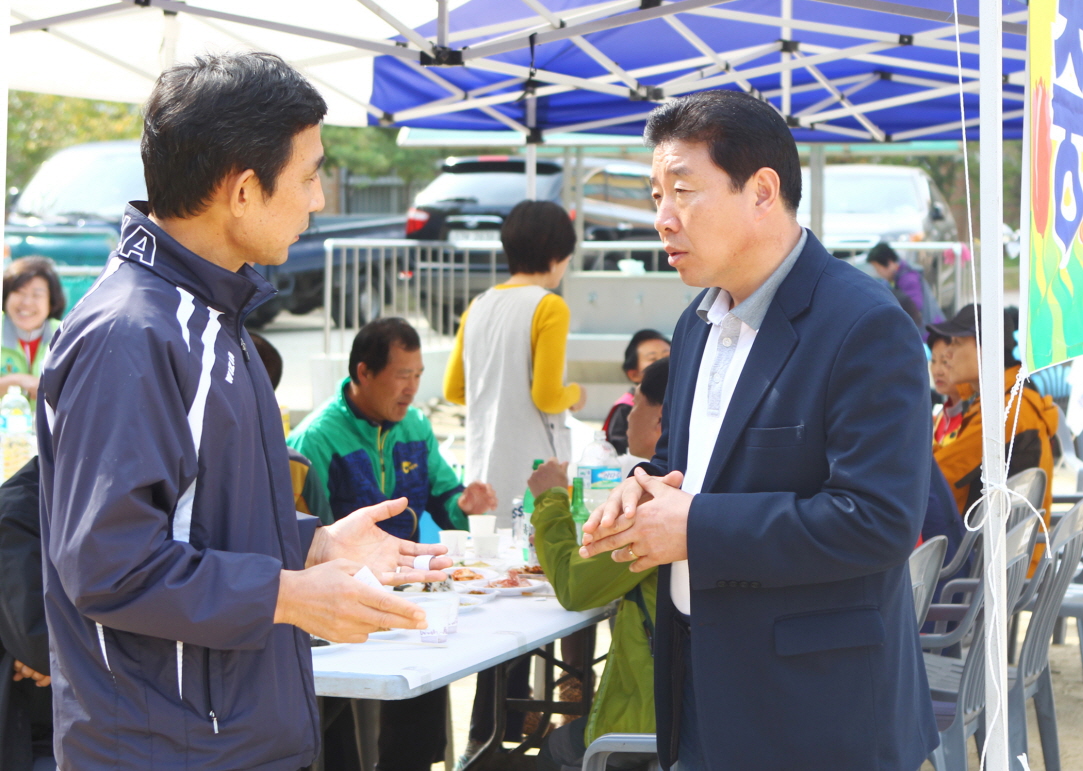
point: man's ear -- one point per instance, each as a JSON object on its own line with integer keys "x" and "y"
{"x": 241, "y": 189}
{"x": 767, "y": 187}
{"x": 362, "y": 372}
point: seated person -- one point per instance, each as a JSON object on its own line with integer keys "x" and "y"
{"x": 949, "y": 417}
{"x": 645, "y": 347}
{"x": 625, "y": 699}
{"x": 26, "y": 715}
{"x": 367, "y": 445}
{"x": 959, "y": 455}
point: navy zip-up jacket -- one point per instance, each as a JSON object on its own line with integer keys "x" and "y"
{"x": 167, "y": 515}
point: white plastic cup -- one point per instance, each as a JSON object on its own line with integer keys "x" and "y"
{"x": 455, "y": 541}
{"x": 482, "y": 524}
{"x": 438, "y": 616}
{"x": 487, "y": 547}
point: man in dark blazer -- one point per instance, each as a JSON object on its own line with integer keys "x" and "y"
{"x": 790, "y": 481}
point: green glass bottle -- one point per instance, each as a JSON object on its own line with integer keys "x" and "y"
{"x": 530, "y": 555}
{"x": 580, "y": 513}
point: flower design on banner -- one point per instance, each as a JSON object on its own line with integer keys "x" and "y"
{"x": 1040, "y": 182}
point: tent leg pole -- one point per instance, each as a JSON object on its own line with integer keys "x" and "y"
{"x": 992, "y": 382}
{"x": 816, "y": 189}
{"x": 580, "y": 228}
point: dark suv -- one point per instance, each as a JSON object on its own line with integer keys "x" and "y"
{"x": 471, "y": 196}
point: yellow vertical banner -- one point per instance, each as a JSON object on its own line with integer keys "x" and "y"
{"x": 1054, "y": 328}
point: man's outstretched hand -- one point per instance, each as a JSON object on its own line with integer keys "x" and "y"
{"x": 358, "y": 538}
{"x": 327, "y": 601}
{"x": 644, "y": 521}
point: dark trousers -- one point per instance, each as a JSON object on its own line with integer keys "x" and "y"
{"x": 413, "y": 734}
{"x": 481, "y": 716}
{"x": 690, "y": 750}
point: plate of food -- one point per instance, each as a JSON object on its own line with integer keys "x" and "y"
{"x": 515, "y": 583}
{"x": 472, "y": 575}
{"x": 471, "y": 597}
{"x": 532, "y": 571}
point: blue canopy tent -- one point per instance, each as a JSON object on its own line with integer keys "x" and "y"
{"x": 859, "y": 70}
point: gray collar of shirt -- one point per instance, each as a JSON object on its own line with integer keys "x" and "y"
{"x": 755, "y": 306}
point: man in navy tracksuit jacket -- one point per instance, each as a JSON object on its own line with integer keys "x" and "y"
{"x": 177, "y": 571}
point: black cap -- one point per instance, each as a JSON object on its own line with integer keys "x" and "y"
{"x": 964, "y": 324}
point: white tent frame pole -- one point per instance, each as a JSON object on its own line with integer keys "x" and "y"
{"x": 992, "y": 385}
{"x": 580, "y": 226}
{"x": 586, "y": 28}
{"x": 723, "y": 64}
{"x": 94, "y": 51}
{"x": 787, "y": 74}
{"x": 861, "y": 118}
{"x": 443, "y": 23}
{"x": 928, "y": 14}
{"x": 898, "y": 101}
{"x": 902, "y": 136}
{"x": 553, "y": 20}
{"x": 816, "y": 163}
{"x": 5, "y": 49}
{"x": 41, "y": 25}
{"x": 531, "y": 150}
{"x": 865, "y": 82}
{"x": 928, "y": 39}
{"x": 369, "y": 108}
{"x": 590, "y": 50}
{"x": 404, "y": 29}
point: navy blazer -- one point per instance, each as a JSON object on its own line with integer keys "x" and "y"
{"x": 805, "y": 651}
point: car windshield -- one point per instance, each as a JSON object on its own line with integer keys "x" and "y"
{"x": 486, "y": 188}
{"x": 94, "y": 182}
{"x": 866, "y": 194}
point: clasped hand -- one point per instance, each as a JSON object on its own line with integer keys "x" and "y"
{"x": 326, "y": 600}
{"x": 644, "y": 522}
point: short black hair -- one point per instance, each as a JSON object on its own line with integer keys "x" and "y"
{"x": 743, "y": 133}
{"x": 535, "y": 234}
{"x": 219, "y": 115}
{"x": 20, "y": 272}
{"x": 631, "y": 353}
{"x": 653, "y": 385}
{"x": 372, "y": 346}
{"x": 882, "y": 254}
{"x": 935, "y": 338}
{"x": 269, "y": 355}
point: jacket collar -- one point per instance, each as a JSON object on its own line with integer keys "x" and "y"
{"x": 755, "y": 306}
{"x": 775, "y": 341}
{"x": 144, "y": 243}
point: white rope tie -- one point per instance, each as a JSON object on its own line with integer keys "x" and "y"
{"x": 1006, "y": 494}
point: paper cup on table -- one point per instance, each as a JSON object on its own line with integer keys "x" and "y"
{"x": 437, "y": 617}
{"x": 482, "y": 524}
{"x": 487, "y": 547}
{"x": 455, "y": 541}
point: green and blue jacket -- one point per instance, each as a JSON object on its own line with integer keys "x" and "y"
{"x": 362, "y": 463}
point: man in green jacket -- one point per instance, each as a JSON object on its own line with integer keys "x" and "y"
{"x": 366, "y": 445}
{"x": 625, "y": 699}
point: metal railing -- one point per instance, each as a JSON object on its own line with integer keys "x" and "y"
{"x": 431, "y": 283}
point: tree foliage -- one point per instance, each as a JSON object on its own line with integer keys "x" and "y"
{"x": 41, "y": 124}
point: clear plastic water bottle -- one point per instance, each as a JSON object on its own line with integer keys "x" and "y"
{"x": 17, "y": 443}
{"x": 599, "y": 468}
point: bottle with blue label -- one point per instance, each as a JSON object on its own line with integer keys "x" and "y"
{"x": 599, "y": 468}
{"x": 17, "y": 442}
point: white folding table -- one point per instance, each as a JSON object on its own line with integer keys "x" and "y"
{"x": 488, "y": 634}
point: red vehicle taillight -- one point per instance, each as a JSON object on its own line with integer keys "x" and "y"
{"x": 415, "y": 220}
